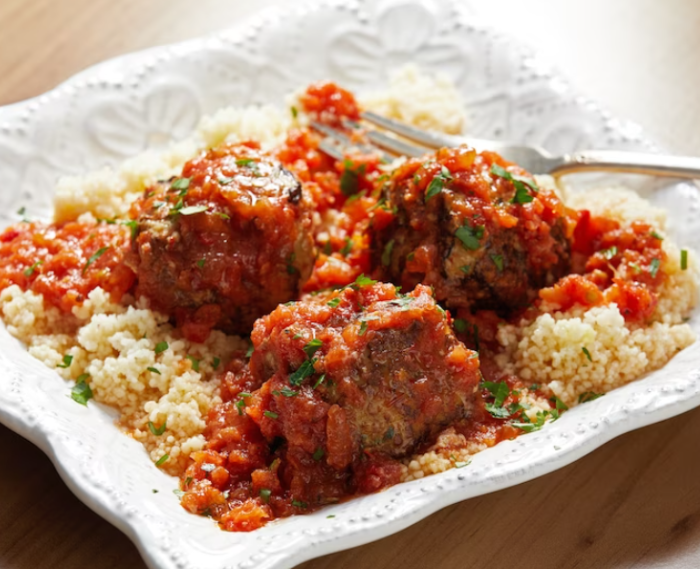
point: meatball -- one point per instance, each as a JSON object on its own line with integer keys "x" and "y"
{"x": 474, "y": 227}
{"x": 359, "y": 376}
{"x": 224, "y": 243}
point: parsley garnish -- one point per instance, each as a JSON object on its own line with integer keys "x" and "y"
{"x": 470, "y": 236}
{"x": 305, "y": 370}
{"x": 312, "y": 347}
{"x": 245, "y": 162}
{"x": 329, "y": 516}
{"x": 522, "y": 196}
{"x": 250, "y": 351}
{"x": 319, "y": 381}
{"x": 295, "y": 112}
{"x": 386, "y": 254}
{"x": 363, "y": 328}
{"x": 588, "y": 354}
{"x": 438, "y": 183}
{"x": 157, "y": 431}
{"x": 81, "y": 392}
{"x": 460, "y": 325}
{"x": 684, "y": 260}
{"x": 498, "y": 261}
{"x": 291, "y": 269}
{"x": 191, "y": 210}
{"x": 180, "y": 183}
{"x": 216, "y": 363}
{"x": 609, "y": 253}
{"x": 29, "y": 271}
{"x": 654, "y": 267}
{"x": 362, "y": 280}
{"x": 162, "y": 459}
{"x": 500, "y": 391}
{"x": 655, "y": 235}
{"x": 299, "y": 504}
{"x": 265, "y": 494}
{"x": 133, "y": 225}
{"x": 67, "y": 360}
{"x": 589, "y": 396}
{"x": 350, "y": 178}
{"x": 239, "y": 405}
{"x": 333, "y": 302}
{"x": 270, "y": 414}
{"x": 225, "y": 181}
{"x": 345, "y": 251}
{"x": 195, "y": 362}
{"x": 200, "y": 263}
{"x": 154, "y": 370}
{"x": 559, "y": 404}
{"x": 94, "y": 257}
{"x": 286, "y": 392}
{"x": 318, "y": 454}
{"x": 528, "y": 426}
{"x": 161, "y": 347}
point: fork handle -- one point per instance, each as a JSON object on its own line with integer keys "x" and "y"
{"x": 627, "y": 162}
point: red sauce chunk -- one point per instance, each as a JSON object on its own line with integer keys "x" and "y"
{"x": 66, "y": 262}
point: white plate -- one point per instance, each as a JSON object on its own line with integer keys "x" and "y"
{"x": 120, "y": 107}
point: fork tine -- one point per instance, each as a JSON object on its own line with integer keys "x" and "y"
{"x": 394, "y": 145}
{"x": 336, "y": 142}
{"x": 429, "y": 139}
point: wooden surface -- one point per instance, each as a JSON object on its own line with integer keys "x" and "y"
{"x": 633, "y": 503}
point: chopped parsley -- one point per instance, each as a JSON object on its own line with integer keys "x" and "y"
{"x": 465, "y": 269}
{"x": 386, "y": 254}
{"x": 334, "y": 302}
{"x": 684, "y": 260}
{"x": 460, "y": 325}
{"x": 589, "y": 396}
{"x": 528, "y": 426}
{"x": 345, "y": 251}
{"x": 81, "y": 392}
{"x": 559, "y": 404}
{"x": 29, "y": 271}
{"x": 588, "y": 354}
{"x": 94, "y": 257}
{"x": 299, "y": 504}
{"x": 318, "y": 454}
{"x": 609, "y": 253}
{"x": 363, "y": 328}
{"x": 654, "y": 267}
{"x": 265, "y": 494}
{"x": 438, "y": 183}
{"x": 180, "y": 183}
{"x": 225, "y": 181}
{"x": 200, "y": 263}
{"x": 286, "y": 392}
{"x": 312, "y": 347}
{"x": 295, "y": 112}
{"x": 498, "y": 261}
{"x": 470, "y": 236}
{"x": 522, "y": 195}
{"x": 162, "y": 459}
{"x": 133, "y": 225}
{"x": 240, "y": 404}
{"x": 195, "y": 362}
{"x": 362, "y": 280}
{"x": 305, "y": 370}
{"x": 270, "y": 414}
{"x": 193, "y": 209}
{"x": 291, "y": 269}
{"x": 245, "y": 162}
{"x": 154, "y": 370}
{"x": 500, "y": 391}
{"x": 67, "y": 360}
{"x": 157, "y": 431}
{"x": 330, "y": 516}
{"x": 656, "y": 235}
{"x": 320, "y": 381}
{"x": 161, "y": 347}
{"x": 216, "y": 362}
{"x": 350, "y": 178}
{"x": 249, "y": 352}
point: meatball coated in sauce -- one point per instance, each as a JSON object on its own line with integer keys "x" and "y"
{"x": 474, "y": 227}
{"x": 224, "y": 243}
{"x": 354, "y": 378}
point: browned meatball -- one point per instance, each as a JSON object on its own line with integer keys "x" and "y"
{"x": 224, "y": 243}
{"x": 358, "y": 374}
{"x": 475, "y": 228}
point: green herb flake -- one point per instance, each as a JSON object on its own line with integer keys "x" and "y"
{"x": 656, "y": 235}
{"x": 94, "y": 257}
{"x": 684, "y": 260}
{"x": 29, "y": 271}
{"x": 286, "y": 392}
{"x": 200, "y": 263}
{"x": 154, "y": 370}
{"x": 588, "y": 354}
{"x": 386, "y": 254}
{"x": 363, "y": 328}
{"x": 67, "y": 361}
{"x": 350, "y": 179}
{"x": 319, "y": 381}
{"x": 240, "y": 404}
{"x": 466, "y": 269}
{"x": 295, "y": 112}
{"x": 411, "y": 256}
{"x": 460, "y": 325}
{"x": 265, "y": 494}
{"x": 133, "y": 225}
{"x": 362, "y": 280}
{"x": 225, "y": 180}
{"x": 437, "y": 183}
{"x": 498, "y": 261}
{"x": 497, "y": 412}
{"x": 318, "y": 454}
{"x": 522, "y": 195}
{"x": 81, "y": 393}
{"x": 312, "y": 347}
{"x": 291, "y": 269}
{"x": 249, "y": 352}
{"x": 470, "y": 236}
{"x": 180, "y": 183}
{"x": 609, "y": 253}
{"x": 559, "y": 404}
{"x": 305, "y": 370}
{"x": 195, "y": 362}
{"x": 216, "y": 363}
{"x": 654, "y": 267}
{"x": 589, "y": 396}
{"x": 157, "y": 431}
{"x": 21, "y": 211}
{"x": 334, "y": 302}
{"x": 245, "y": 162}
{"x": 222, "y": 215}
{"x": 330, "y": 516}
{"x": 270, "y": 414}
{"x": 345, "y": 251}
{"x": 161, "y": 347}
{"x": 499, "y": 390}
{"x": 162, "y": 459}
{"x": 298, "y": 504}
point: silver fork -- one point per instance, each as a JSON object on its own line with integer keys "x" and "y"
{"x": 532, "y": 158}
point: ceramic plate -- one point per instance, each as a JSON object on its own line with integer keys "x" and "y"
{"x": 120, "y": 107}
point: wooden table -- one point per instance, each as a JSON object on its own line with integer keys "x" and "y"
{"x": 633, "y": 503}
